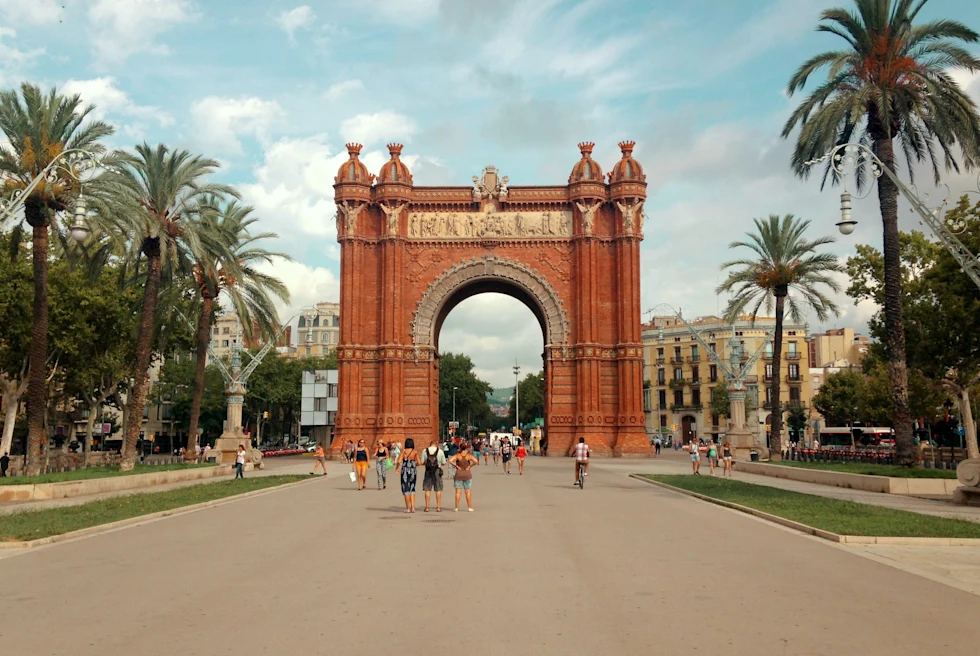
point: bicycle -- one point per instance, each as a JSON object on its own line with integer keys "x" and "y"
{"x": 581, "y": 475}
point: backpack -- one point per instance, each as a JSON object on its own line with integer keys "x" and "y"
{"x": 431, "y": 459}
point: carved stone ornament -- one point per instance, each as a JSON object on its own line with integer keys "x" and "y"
{"x": 350, "y": 212}
{"x": 392, "y": 212}
{"x": 588, "y": 215}
{"x": 490, "y": 185}
{"x": 632, "y": 214}
{"x": 556, "y": 224}
{"x": 496, "y": 268}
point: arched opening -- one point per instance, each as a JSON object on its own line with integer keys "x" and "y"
{"x": 482, "y": 331}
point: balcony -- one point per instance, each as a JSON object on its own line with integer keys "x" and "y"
{"x": 767, "y": 356}
{"x": 713, "y": 379}
{"x": 695, "y": 381}
{"x": 660, "y": 359}
{"x": 676, "y": 383}
{"x": 793, "y": 356}
{"x": 677, "y": 360}
{"x": 794, "y": 403}
{"x": 694, "y": 358}
{"x": 685, "y": 407}
{"x": 661, "y": 383}
{"x": 794, "y": 379}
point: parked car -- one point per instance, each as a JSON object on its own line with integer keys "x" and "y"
{"x": 310, "y": 448}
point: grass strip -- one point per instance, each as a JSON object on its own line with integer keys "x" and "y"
{"x": 95, "y": 472}
{"x": 835, "y": 515}
{"x": 35, "y": 524}
{"x": 896, "y": 471}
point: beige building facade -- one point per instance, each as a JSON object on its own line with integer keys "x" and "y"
{"x": 318, "y": 333}
{"x": 681, "y": 377}
{"x": 830, "y": 348}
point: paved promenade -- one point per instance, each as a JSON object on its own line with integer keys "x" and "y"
{"x": 540, "y": 568}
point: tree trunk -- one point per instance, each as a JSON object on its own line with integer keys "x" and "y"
{"x": 775, "y": 439}
{"x": 203, "y": 337}
{"x": 969, "y": 427}
{"x": 37, "y": 386}
{"x": 9, "y": 421}
{"x": 894, "y": 328}
{"x": 144, "y": 351}
{"x": 93, "y": 411}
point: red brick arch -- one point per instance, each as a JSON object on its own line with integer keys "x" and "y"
{"x": 570, "y": 253}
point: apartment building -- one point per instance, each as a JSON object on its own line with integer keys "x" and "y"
{"x": 681, "y": 377}
{"x": 835, "y": 346}
{"x": 318, "y": 333}
{"x": 227, "y": 330}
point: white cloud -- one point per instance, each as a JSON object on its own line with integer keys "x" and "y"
{"x": 294, "y": 19}
{"x": 371, "y": 128}
{"x": 404, "y": 12}
{"x": 13, "y": 60}
{"x": 340, "y": 89}
{"x": 109, "y": 99}
{"x": 308, "y": 285}
{"x": 969, "y": 81}
{"x": 126, "y": 27}
{"x": 32, "y": 12}
{"x": 220, "y": 121}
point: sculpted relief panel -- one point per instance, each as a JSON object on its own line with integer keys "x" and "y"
{"x": 490, "y": 223}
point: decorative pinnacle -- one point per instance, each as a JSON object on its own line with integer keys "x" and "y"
{"x": 354, "y": 149}
{"x": 586, "y": 148}
{"x": 627, "y": 147}
{"x": 395, "y": 149}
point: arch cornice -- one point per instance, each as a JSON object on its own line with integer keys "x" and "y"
{"x": 489, "y": 267}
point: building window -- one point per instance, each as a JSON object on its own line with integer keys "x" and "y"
{"x": 696, "y": 398}
{"x": 791, "y": 348}
{"x": 662, "y": 398}
{"x": 694, "y": 353}
{"x": 695, "y": 375}
{"x": 326, "y": 338}
{"x": 794, "y": 371}
{"x": 226, "y": 330}
{"x": 713, "y": 373}
{"x": 768, "y": 349}
{"x": 224, "y": 342}
{"x": 678, "y": 373}
{"x": 792, "y": 333}
{"x": 768, "y": 396}
{"x": 663, "y": 421}
{"x": 678, "y": 397}
{"x": 677, "y": 339}
{"x": 320, "y": 405}
{"x": 661, "y": 377}
{"x": 768, "y": 372}
{"x": 660, "y": 354}
{"x": 309, "y": 350}
{"x": 332, "y": 391}
{"x": 677, "y": 353}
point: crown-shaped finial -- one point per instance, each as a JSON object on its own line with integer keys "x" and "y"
{"x": 354, "y": 149}
{"x": 586, "y": 148}
{"x": 626, "y": 147}
{"x": 395, "y": 149}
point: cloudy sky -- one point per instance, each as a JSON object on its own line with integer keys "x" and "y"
{"x": 274, "y": 88}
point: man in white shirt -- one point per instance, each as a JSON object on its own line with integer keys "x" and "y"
{"x": 433, "y": 458}
{"x": 581, "y": 453}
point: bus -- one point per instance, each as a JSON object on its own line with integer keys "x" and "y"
{"x": 861, "y": 436}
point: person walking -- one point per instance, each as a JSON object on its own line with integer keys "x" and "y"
{"x": 361, "y": 464}
{"x": 321, "y": 460}
{"x": 407, "y": 469}
{"x": 4, "y": 464}
{"x": 486, "y": 452}
{"x": 505, "y": 454}
{"x": 712, "y": 456}
{"x": 692, "y": 448}
{"x": 434, "y": 458}
{"x": 657, "y": 444}
{"x": 521, "y": 453}
{"x": 726, "y": 459}
{"x": 240, "y": 462}
{"x": 396, "y": 450}
{"x": 381, "y": 455}
{"x": 495, "y": 447}
{"x": 463, "y": 481}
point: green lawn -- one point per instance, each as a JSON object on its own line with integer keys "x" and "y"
{"x": 94, "y": 472}
{"x": 843, "y": 517}
{"x": 31, "y": 525}
{"x": 872, "y": 470}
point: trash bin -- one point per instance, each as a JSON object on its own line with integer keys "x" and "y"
{"x": 754, "y": 457}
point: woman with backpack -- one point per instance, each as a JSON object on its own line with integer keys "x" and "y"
{"x": 463, "y": 481}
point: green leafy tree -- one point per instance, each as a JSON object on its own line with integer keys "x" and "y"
{"x": 532, "y": 399}
{"x": 839, "y": 398}
{"x": 16, "y": 292}
{"x": 456, "y": 370}
{"x": 720, "y": 404}
{"x": 226, "y": 263}
{"x": 890, "y": 81}
{"x": 176, "y": 387}
{"x": 783, "y": 261}
{"x": 796, "y": 420}
{"x": 154, "y": 195}
{"x": 38, "y": 128}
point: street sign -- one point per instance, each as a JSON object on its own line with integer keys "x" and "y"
{"x": 961, "y": 431}
{"x": 107, "y": 428}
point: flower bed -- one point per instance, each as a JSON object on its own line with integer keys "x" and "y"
{"x": 283, "y": 452}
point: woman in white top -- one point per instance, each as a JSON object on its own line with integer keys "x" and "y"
{"x": 240, "y": 462}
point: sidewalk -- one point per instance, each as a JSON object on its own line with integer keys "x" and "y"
{"x": 679, "y": 463}
{"x": 293, "y": 466}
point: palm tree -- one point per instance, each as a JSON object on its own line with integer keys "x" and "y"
{"x": 890, "y": 82}
{"x": 227, "y": 263}
{"x": 785, "y": 262}
{"x": 40, "y": 127}
{"x": 158, "y": 192}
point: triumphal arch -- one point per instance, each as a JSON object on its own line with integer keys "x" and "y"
{"x": 571, "y": 253}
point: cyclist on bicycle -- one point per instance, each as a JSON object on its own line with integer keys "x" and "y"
{"x": 581, "y": 454}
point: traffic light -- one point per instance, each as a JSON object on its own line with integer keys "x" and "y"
{"x": 265, "y": 415}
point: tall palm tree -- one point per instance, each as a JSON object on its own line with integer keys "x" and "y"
{"x": 39, "y": 127}
{"x": 158, "y": 193}
{"x": 784, "y": 261}
{"x": 891, "y": 81}
{"x": 227, "y": 264}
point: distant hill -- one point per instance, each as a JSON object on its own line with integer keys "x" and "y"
{"x": 500, "y": 396}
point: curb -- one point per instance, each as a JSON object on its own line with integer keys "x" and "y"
{"x": 141, "y": 519}
{"x": 817, "y": 532}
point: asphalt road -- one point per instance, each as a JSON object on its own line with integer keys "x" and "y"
{"x": 540, "y": 567}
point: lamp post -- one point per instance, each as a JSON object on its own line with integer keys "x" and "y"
{"x": 454, "y": 405}
{"x": 517, "y": 396}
